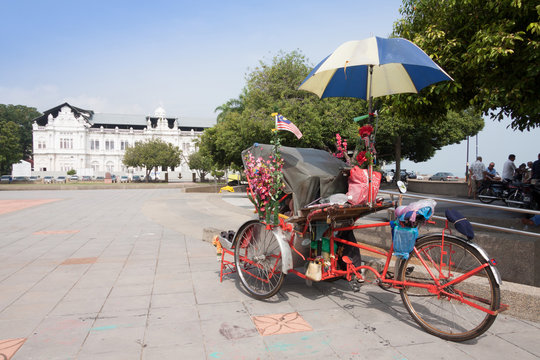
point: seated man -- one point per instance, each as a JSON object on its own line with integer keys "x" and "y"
{"x": 491, "y": 173}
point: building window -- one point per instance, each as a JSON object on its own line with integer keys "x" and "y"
{"x": 94, "y": 144}
{"x": 109, "y": 166}
{"x": 124, "y": 144}
{"x": 109, "y": 145}
{"x": 95, "y": 166}
{"x": 66, "y": 143}
{"x": 41, "y": 144}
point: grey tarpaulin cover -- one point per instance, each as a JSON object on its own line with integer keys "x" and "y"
{"x": 308, "y": 173}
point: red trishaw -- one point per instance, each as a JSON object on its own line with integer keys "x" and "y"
{"x": 448, "y": 284}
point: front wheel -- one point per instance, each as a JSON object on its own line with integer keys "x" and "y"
{"x": 442, "y": 310}
{"x": 257, "y": 258}
{"x": 515, "y": 199}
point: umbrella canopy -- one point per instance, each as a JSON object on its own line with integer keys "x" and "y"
{"x": 373, "y": 67}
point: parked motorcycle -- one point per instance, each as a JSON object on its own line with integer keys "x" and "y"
{"x": 524, "y": 196}
{"x": 519, "y": 195}
{"x": 493, "y": 190}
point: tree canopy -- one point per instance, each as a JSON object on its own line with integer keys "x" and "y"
{"x": 10, "y": 149}
{"x": 151, "y": 154}
{"x": 201, "y": 164}
{"x": 490, "y": 48}
{"x": 15, "y": 134}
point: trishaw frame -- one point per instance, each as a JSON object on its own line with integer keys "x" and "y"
{"x": 442, "y": 285}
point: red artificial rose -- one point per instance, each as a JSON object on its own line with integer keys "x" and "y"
{"x": 365, "y": 131}
{"x": 361, "y": 157}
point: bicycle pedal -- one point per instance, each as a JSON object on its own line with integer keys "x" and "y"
{"x": 356, "y": 283}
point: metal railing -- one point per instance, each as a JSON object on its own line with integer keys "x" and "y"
{"x": 467, "y": 203}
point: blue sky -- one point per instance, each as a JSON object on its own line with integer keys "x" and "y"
{"x": 187, "y": 56}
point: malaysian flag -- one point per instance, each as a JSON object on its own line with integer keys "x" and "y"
{"x": 283, "y": 124}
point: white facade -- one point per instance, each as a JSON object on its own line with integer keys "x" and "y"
{"x": 68, "y": 138}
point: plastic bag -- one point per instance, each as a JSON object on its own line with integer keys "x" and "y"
{"x": 403, "y": 239}
{"x": 423, "y": 207}
{"x": 359, "y": 185}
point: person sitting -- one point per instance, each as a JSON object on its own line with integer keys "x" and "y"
{"x": 528, "y": 174}
{"x": 521, "y": 171}
{"x": 491, "y": 174}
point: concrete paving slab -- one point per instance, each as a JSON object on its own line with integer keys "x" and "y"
{"x": 218, "y": 330}
{"x": 185, "y": 333}
{"x": 173, "y": 352}
{"x": 173, "y": 314}
{"x": 245, "y": 348}
{"x": 301, "y": 345}
{"x": 433, "y": 351}
{"x": 222, "y": 311}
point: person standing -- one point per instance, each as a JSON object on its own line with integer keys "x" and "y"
{"x": 509, "y": 168}
{"x": 535, "y": 176}
{"x": 477, "y": 174}
{"x": 528, "y": 173}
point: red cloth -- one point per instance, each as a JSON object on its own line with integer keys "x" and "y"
{"x": 359, "y": 185}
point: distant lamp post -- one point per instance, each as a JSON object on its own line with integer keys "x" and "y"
{"x": 467, "y": 165}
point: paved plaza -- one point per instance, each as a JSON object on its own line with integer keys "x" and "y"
{"x": 124, "y": 274}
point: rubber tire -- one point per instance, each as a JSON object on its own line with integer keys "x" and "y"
{"x": 486, "y": 192}
{"x": 516, "y": 195}
{"x": 241, "y": 249}
{"x": 430, "y": 321}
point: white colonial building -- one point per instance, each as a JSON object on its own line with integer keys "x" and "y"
{"x": 67, "y": 137}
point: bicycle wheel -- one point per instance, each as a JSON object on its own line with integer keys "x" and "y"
{"x": 257, "y": 257}
{"x": 440, "y": 311}
{"x": 516, "y": 195}
{"x": 486, "y": 195}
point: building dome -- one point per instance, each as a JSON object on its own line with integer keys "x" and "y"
{"x": 159, "y": 112}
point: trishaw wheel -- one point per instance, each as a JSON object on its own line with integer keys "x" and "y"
{"x": 257, "y": 258}
{"x": 449, "y": 311}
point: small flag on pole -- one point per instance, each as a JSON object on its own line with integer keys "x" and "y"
{"x": 283, "y": 124}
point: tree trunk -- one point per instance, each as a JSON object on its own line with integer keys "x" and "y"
{"x": 397, "y": 153}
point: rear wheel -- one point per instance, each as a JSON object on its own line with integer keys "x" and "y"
{"x": 486, "y": 195}
{"x": 257, "y": 258}
{"x": 440, "y": 310}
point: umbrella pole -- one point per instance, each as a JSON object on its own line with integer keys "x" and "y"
{"x": 370, "y": 111}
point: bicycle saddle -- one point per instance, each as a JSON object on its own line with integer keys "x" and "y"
{"x": 460, "y": 222}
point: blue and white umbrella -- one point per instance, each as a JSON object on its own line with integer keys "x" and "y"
{"x": 373, "y": 67}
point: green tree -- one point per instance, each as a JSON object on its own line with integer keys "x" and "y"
{"x": 232, "y": 105}
{"x": 151, "y": 154}
{"x": 490, "y": 48}
{"x": 401, "y": 137}
{"x": 10, "y": 146}
{"x": 22, "y": 116}
{"x": 273, "y": 87}
{"x": 218, "y": 174}
{"x": 201, "y": 164}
